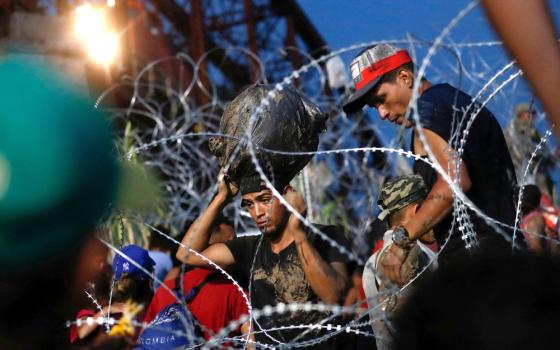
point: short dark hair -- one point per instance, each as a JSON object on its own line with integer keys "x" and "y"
{"x": 391, "y": 76}
{"x": 531, "y": 198}
{"x": 477, "y": 303}
{"x": 160, "y": 242}
{"x": 222, "y": 219}
{"x": 135, "y": 289}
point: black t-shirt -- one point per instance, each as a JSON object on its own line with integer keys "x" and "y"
{"x": 485, "y": 155}
{"x": 279, "y": 278}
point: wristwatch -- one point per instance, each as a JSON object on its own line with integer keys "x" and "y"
{"x": 401, "y": 238}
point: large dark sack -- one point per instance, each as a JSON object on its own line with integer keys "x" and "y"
{"x": 289, "y": 123}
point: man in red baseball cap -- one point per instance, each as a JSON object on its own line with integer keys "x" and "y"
{"x": 369, "y": 68}
{"x": 384, "y": 79}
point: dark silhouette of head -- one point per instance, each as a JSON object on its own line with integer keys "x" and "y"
{"x": 490, "y": 303}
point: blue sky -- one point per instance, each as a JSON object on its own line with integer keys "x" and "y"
{"x": 345, "y": 22}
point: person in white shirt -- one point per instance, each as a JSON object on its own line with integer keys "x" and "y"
{"x": 399, "y": 199}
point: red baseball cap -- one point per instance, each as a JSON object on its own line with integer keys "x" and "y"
{"x": 369, "y": 67}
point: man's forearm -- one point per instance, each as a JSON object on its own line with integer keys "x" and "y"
{"x": 437, "y": 205}
{"x": 198, "y": 235}
{"x": 86, "y": 329}
{"x": 246, "y": 331}
{"x": 325, "y": 281}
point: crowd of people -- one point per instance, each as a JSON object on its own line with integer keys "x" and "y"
{"x": 449, "y": 268}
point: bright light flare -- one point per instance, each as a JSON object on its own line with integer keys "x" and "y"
{"x": 91, "y": 28}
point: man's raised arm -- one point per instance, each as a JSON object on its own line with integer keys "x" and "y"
{"x": 197, "y": 237}
{"x": 328, "y": 280}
